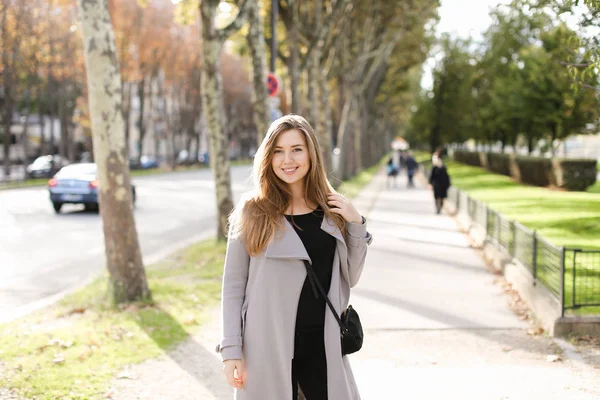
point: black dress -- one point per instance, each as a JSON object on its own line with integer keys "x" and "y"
{"x": 440, "y": 180}
{"x": 309, "y": 366}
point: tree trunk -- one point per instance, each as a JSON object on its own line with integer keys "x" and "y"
{"x": 529, "y": 145}
{"x": 341, "y": 135}
{"x": 62, "y": 117}
{"x": 127, "y": 112}
{"x": 294, "y": 60}
{"x": 313, "y": 89}
{"x": 324, "y": 124}
{"x": 50, "y": 91}
{"x": 24, "y": 137}
{"x": 554, "y": 130}
{"x": 141, "y": 88}
{"x": 259, "y": 66}
{"x": 357, "y": 148}
{"x": 436, "y": 131}
{"x": 8, "y": 100}
{"x": 212, "y": 103}
{"x": 7, "y": 138}
{"x": 123, "y": 256}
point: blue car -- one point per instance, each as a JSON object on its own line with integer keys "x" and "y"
{"x": 76, "y": 184}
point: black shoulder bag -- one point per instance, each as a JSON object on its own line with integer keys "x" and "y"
{"x": 350, "y": 327}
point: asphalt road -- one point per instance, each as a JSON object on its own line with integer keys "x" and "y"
{"x": 43, "y": 254}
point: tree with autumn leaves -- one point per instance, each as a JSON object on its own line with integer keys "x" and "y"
{"x": 170, "y": 81}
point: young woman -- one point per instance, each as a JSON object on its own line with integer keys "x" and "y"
{"x": 277, "y": 334}
{"x": 440, "y": 181}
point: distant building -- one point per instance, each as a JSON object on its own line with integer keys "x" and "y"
{"x": 37, "y": 127}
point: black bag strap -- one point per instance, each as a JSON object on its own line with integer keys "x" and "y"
{"x": 314, "y": 281}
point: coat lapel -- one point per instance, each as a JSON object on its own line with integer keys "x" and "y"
{"x": 287, "y": 243}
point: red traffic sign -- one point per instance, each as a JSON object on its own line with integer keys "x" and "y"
{"x": 273, "y": 84}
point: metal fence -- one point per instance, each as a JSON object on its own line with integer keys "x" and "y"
{"x": 571, "y": 275}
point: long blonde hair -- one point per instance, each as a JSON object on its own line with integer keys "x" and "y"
{"x": 258, "y": 218}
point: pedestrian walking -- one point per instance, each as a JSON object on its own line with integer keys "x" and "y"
{"x": 439, "y": 181}
{"x": 279, "y": 336}
{"x": 392, "y": 172}
{"x": 411, "y": 168}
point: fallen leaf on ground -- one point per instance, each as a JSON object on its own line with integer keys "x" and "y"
{"x": 43, "y": 347}
{"x": 507, "y": 349}
{"x": 535, "y": 331}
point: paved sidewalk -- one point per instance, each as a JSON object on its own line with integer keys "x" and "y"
{"x": 436, "y": 324}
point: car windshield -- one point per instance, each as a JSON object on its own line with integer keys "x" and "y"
{"x": 78, "y": 170}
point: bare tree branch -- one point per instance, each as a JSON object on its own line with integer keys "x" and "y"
{"x": 576, "y": 65}
{"x": 325, "y": 28}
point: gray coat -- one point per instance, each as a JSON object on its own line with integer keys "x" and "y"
{"x": 259, "y": 304}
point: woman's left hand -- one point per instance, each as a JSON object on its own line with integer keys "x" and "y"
{"x": 344, "y": 207}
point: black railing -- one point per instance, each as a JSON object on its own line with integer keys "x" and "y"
{"x": 582, "y": 278}
{"x": 571, "y": 275}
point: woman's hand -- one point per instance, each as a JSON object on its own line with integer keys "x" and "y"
{"x": 342, "y": 206}
{"x": 233, "y": 370}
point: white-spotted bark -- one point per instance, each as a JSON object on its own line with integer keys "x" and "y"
{"x": 123, "y": 257}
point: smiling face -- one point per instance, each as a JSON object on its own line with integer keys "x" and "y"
{"x": 291, "y": 159}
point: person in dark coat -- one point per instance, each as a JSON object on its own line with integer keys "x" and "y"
{"x": 439, "y": 181}
{"x": 411, "y": 168}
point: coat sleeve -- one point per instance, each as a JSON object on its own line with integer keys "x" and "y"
{"x": 235, "y": 278}
{"x": 357, "y": 240}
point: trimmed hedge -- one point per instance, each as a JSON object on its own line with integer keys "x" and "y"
{"x": 498, "y": 163}
{"x": 569, "y": 174}
{"x": 575, "y": 175}
{"x": 535, "y": 170}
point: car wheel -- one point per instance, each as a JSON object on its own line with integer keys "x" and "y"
{"x": 57, "y": 207}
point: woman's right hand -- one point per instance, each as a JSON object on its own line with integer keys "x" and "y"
{"x": 234, "y": 373}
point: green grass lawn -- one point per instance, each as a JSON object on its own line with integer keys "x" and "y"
{"x": 74, "y": 348}
{"x": 570, "y": 219}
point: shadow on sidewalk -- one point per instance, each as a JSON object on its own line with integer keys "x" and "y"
{"x": 427, "y": 242}
{"x": 409, "y": 225}
{"x": 435, "y": 260}
{"x": 509, "y": 337}
{"x": 191, "y": 356}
